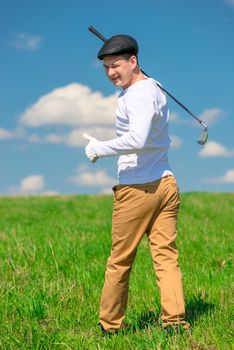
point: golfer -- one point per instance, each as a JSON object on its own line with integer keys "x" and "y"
{"x": 146, "y": 200}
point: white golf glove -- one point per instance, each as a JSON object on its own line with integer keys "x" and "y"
{"x": 90, "y": 148}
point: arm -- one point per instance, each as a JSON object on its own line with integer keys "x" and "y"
{"x": 141, "y": 110}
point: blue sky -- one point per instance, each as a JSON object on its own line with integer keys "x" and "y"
{"x": 53, "y": 89}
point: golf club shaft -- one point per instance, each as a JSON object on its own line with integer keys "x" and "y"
{"x": 100, "y": 36}
{"x": 181, "y": 105}
{"x": 95, "y": 32}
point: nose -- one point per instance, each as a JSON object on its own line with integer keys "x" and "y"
{"x": 110, "y": 72}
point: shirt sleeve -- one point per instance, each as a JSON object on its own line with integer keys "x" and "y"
{"x": 140, "y": 108}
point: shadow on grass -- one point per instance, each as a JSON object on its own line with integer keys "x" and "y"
{"x": 196, "y": 307}
{"x": 146, "y": 320}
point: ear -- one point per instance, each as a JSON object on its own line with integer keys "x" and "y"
{"x": 133, "y": 61}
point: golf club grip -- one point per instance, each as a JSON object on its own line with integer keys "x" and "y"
{"x": 95, "y": 32}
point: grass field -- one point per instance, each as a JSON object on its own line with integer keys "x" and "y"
{"x": 53, "y": 252}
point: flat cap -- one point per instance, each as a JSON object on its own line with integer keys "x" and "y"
{"x": 117, "y": 45}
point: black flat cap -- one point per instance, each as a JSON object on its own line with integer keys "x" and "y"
{"x": 117, "y": 45}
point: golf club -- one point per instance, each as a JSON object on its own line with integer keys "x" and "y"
{"x": 204, "y": 135}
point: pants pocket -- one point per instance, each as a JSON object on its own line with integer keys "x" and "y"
{"x": 171, "y": 192}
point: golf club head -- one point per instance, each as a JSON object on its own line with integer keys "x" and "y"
{"x": 204, "y": 135}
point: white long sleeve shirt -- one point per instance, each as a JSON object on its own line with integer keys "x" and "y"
{"x": 142, "y": 134}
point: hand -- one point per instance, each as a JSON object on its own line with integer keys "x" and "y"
{"x": 90, "y": 153}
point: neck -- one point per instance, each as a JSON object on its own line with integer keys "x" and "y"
{"x": 138, "y": 75}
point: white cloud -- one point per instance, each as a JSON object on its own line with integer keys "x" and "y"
{"x": 9, "y": 134}
{"x": 50, "y": 138}
{"x": 50, "y": 193}
{"x": 75, "y": 137}
{"x": 72, "y": 105}
{"x": 106, "y": 190}
{"x": 176, "y": 141}
{"x": 230, "y": 2}
{"x": 5, "y": 134}
{"x": 25, "y": 41}
{"x": 53, "y": 138}
{"x": 212, "y": 115}
{"x": 209, "y": 116}
{"x": 32, "y": 185}
{"x": 227, "y": 178}
{"x": 85, "y": 177}
{"x": 215, "y": 149}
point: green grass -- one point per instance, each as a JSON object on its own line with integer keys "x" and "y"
{"x": 53, "y": 252}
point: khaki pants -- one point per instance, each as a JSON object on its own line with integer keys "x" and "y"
{"x": 149, "y": 208}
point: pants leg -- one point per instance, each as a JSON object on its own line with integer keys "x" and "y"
{"x": 129, "y": 223}
{"x": 162, "y": 235}
{"x": 138, "y": 209}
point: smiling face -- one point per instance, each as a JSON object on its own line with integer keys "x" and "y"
{"x": 120, "y": 70}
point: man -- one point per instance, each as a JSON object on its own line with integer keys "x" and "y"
{"x": 147, "y": 197}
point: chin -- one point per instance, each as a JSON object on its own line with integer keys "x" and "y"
{"x": 117, "y": 84}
